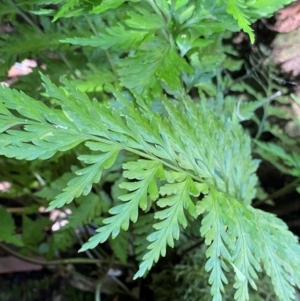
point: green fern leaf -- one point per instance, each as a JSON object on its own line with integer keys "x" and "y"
{"x": 82, "y": 184}
{"x": 30, "y": 42}
{"x": 231, "y": 231}
{"x": 245, "y": 257}
{"x": 90, "y": 206}
{"x": 280, "y": 262}
{"x": 176, "y": 201}
{"x": 61, "y": 240}
{"x": 34, "y": 230}
{"x": 119, "y": 246}
{"x": 67, "y": 6}
{"x": 237, "y": 13}
{"x": 117, "y": 37}
{"x": 276, "y": 155}
{"x": 55, "y": 187}
{"x": 141, "y": 230}
{"x": 145, "y": 69}
{"x": 7, "y": 226}
{"x": 107, "y": 4}
{"x": 144, "y": 171}
{"x": 45, "y": 142}
{"x": 144, "y": 20}
{"x": 213, "y": 228}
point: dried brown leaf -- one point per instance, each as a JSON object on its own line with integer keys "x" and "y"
{"x": 288, "y": 18}
{"x": 286, "y": 51}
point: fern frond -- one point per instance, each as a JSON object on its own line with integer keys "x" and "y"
{"x": 279, "y": 262}
{"x": 141, "y": 230}
{"x": 90, "y": 206}
{"x": 82, "y": 184}
{"x": 233, "y": 8}
{"x": 145, "y": 69}
{"x": 246, "y": 12}
{"x": 117, "y": 37}
{"x": 213, "y": 228}
{"x": 66, "y": 7}
{"x": 107, "y": 4}
{"x": 176, "y": 201}
{"x": 145, "y": 172}
{"x": 30, "y": 42}
{"x": 119, "y": 246}
{"x": 230, "y": 229}
{"x": 276, "y": 155}
{"x": 189, "y": 151}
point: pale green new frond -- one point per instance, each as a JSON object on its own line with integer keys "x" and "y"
{"x": 213, "y": 229}
{"x": 209, "y": 151}
{"x": 245, "y": 257}
{"x": 280, "y": 254}
{"x": 205, "y": 152}
{"x": 176, "y": 201}
{"x": 146, "y": 173}
{"x": 246, "y": 12}
{"x": 243, "y": 237}
{"x": 234, "y": 9}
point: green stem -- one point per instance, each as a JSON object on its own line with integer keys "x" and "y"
{"x": 192, "y": 247}
{"x": 164, "y": 30}
{"x": 66, "y": 61}
{"x": 58, "y": 261}
{"x": 123, "y": 286}
{"x": 98, "y": 291}
{"x": 25, "y": 17}
{"x": 108, "y": 57}
{"x": 156, "y": 9}
{"x": 278, "y": 193}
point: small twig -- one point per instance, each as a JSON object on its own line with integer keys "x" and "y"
{"x": 98, "y": 291}
{"x": 192, "y": 247}
{"x": 238, "y": 113}
{"x": 265, "y": 115}
{"x": 278, "y": 193}
{"x": 108, "y": 57}
{"x": 16, "y": 209}
{"x": 123, "y": 286}
{"x": 25, "y": 17}
{"x": 59, "y": 261}
{"x": 238, "y": 110}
